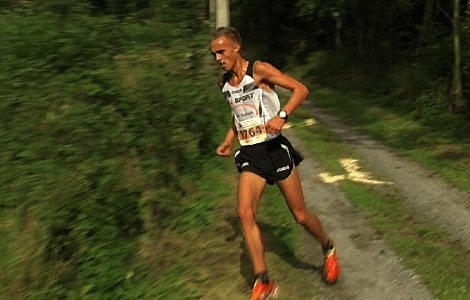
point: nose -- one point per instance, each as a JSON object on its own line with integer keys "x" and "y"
{"x": 217, "y": 56}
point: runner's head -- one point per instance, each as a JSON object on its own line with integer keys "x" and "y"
{"x": 226, "y": 46}
{"x": 229, "y": 32}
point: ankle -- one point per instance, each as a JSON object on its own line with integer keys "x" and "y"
{"x": 329, "y": 245}
{"x": 264, "y": 277}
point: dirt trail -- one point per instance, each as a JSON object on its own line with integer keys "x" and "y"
{"x": 427, "y": 193}
{"x": 370, "y": 269}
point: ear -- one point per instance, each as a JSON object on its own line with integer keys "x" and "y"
{"x": 237, "y": 48}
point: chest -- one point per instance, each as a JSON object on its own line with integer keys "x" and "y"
{"x": 247, "y": 92}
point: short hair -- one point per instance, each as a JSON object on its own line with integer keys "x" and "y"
{"x": 229, "y": 32}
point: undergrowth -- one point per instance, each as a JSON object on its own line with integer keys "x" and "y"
{"x": 104, "y": 137}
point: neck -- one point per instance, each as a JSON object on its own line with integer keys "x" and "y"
{"x": 240, "y": 67}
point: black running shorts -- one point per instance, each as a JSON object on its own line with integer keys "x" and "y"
{"x": 273, "y": 160}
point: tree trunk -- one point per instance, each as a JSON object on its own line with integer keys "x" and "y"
{"x": 427, "y": 19}
{"x": 459, "y": 104}
{"x": 265, "y": 26}
{"x": 360, "y": 40}
{"x": 371, "y": 31}
{"x": 337, "y": 29}
{"x": 212, "y": 10}
{"x": 223, "y": 14}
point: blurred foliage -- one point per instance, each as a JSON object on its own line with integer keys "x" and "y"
{"x": 110, "y": 116}
{"x": 106, "y": 126}
{"x": 398, "y": 50}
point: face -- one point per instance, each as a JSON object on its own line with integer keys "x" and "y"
{"x": 225, "y": 52}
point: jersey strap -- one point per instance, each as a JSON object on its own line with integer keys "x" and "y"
{"x": 249, "y": 71}
{"x": 226, "y": 77}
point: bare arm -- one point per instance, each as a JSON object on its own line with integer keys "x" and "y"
{"x": 225, "y": 149}
{"x": 269, "y": 75}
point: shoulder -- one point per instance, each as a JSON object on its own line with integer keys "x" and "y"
{"x": 265, "y": 70}
{"x": 220, "y": 83}
{"x": 267, "y": 74}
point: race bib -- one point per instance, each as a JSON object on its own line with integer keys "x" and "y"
{"x": 251, "y": 129}
{"x": 253, "y": 135}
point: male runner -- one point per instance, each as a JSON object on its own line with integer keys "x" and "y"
{"x": 265, "y": 156}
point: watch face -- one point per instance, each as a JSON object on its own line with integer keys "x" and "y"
{"x": 283, "y": 114}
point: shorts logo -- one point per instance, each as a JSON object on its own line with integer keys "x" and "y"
{"x": 245, "y": 164}
{"x": 283, "y": 169}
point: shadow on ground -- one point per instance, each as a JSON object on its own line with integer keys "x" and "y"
{"x": 273, "y": 236}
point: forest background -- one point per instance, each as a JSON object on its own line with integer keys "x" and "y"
{"x": 110, "y": 117}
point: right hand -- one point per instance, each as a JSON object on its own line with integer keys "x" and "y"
{"x": 225, "y": 149}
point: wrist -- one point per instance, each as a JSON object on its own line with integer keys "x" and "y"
{"x": 283, "y": 115}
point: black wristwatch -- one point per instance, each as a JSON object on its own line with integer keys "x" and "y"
{"x": 283, "y": 115}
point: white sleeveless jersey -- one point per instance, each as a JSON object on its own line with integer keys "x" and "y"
{"x": 252, "y": 108}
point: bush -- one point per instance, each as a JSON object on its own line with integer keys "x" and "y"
{"x": 104, "y": 135}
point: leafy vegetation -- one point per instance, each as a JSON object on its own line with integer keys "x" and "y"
{"x": 104, "y": 139}
{"x": 110, "y": 116}
{"x": 401, "y": 51}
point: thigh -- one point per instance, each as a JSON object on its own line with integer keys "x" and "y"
{"x": 250, "y": 189}
{"x": 291, "y": 188}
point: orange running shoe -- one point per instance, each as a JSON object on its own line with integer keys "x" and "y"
{"x": 332, "y": 264}
{"x": 264, "y": 289}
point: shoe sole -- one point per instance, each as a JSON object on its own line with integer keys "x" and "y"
{"x": 273, "y": 296}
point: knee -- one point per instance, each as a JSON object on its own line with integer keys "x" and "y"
{"x": 246, "y": 215}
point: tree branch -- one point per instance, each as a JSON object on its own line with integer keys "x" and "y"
{"x": 445, "y": 13}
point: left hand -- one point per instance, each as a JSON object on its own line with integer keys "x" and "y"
{"x": 275, "y": 125}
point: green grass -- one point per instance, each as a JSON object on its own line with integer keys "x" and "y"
{"x": 441, "y": 148}
{"x": 95, "y": 153}
{"x": 212, "y": 261}
{"x": 443, "y": 263}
